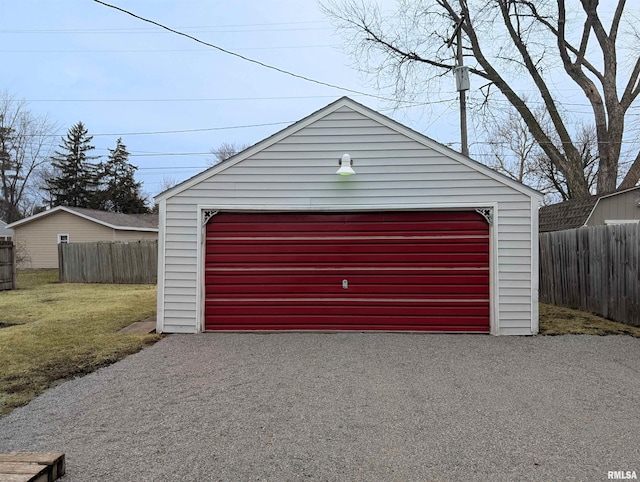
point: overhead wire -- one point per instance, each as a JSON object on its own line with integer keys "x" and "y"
{"x": 245, "y": 58}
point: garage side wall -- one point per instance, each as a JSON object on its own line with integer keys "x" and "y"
{"x": 393, "y": 172}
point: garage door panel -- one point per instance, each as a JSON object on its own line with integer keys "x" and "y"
{"x": 460, "y": 324}
{"x": 218, "y": 247}
{"x": 294, "y": 322}
{"x": 335, "y": 277}
{"x": 403, "y": 271}
{"x": 474, "y": 311}
{"x": 272, "y": 286}
{"x": 349, "y": 259}
{"x": 307, "y": 224}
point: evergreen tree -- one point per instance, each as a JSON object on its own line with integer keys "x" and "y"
{"x": 76, "y": 180}
{"x": 120, "y": 192}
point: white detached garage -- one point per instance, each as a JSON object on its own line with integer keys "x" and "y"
{"x": 418, "y": 238}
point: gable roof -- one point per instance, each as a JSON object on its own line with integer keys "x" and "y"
{"x": 366, "y": 111}
{"x": 119, "y": 221}
{"x": 573, "y": 213}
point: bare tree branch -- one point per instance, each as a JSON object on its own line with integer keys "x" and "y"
{"x": 508, "y": 44}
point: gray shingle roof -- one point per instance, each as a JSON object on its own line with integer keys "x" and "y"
{"x": 119, "y": 219}
{"x": 566, "y": 215}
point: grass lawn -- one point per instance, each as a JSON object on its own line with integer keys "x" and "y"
{"x": 53, "y": 331}
{"x": 556, "y": 320}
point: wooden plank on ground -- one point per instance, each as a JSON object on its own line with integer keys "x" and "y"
{"x": 25, "y": 471}
{"x": 32, "y": 467}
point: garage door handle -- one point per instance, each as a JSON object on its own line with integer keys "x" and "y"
{"x": 345, "y": 284}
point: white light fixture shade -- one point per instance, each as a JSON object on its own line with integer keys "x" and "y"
{"x": 345, "y": 166}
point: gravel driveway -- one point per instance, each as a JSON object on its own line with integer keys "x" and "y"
{"x": 347, "y": 406}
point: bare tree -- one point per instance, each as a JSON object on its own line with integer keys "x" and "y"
{"x": 24, "y": 148}
{"x": 513, "y": 151}
{"x": 514, "y": 46}
{"x": 226, "y": 150}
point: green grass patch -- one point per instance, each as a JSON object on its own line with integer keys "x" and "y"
{"x": 56, "y": 331}
{"x": 557, "y": 320}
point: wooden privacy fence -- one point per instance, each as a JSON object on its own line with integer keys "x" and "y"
{"x": 7, "y": 265}
{"x": 593, "y": 269}
{"x": 108, "y": 262}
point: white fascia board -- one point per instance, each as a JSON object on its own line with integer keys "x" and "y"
{"x": 39, "y": 215}
{"x": 442, "y": 149}
{"x": 367, "y": 112}
{"x": 593, "y": 210}
{"x": 619, "y": 192}
{"x": 84, "y": 216}
{"x": 265, "y": 143}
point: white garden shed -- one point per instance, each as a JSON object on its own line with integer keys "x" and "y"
{"x": 417, "y": 238}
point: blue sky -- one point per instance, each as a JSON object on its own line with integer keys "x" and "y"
{"x": 80, "y": 61}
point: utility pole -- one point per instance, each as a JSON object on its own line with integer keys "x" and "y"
{"x": 462, "y": 83}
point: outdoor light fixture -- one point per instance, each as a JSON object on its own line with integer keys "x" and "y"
{"x": 345, "y": 166}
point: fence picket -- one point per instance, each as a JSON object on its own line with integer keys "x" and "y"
{"x": 594, "y": 269}
{"x": 104, "y": 262}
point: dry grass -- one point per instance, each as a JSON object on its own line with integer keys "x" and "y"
{"x": 557, "y": 320}
{"x": 59, "y": 331}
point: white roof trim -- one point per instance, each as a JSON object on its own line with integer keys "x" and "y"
{"x": 84, "y": 216}
{"x": 366, "y": 111}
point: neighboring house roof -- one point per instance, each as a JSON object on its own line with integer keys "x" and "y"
{"x": 366, "y": 111}
{"x": 566, "y": 215}
{"x": 571, "y": 214}
{"x": 119, "y": 221}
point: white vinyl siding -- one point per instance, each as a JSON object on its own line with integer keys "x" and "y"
{"x": 392, "y": 170}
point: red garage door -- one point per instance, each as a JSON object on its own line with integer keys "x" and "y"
{"x": 426, "y": 271}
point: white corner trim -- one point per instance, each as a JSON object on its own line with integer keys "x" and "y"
{"x": 494, "y": 279}
{"x": 200, "y": 251}
{"x": 162, "y": 219}
{"x": 535, "y": 269}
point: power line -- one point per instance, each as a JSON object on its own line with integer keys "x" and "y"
{"x": 201, "y": 99}
{"x": 146, "y": 51}
{"x": 247, "y": 59}
{"x": 142, "y": 29}
{"x": 181, "y": 131}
